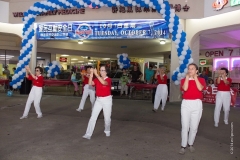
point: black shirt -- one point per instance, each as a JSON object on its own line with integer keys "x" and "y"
{"x": 135, "y": 75}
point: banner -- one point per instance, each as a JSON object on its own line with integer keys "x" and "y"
{"x": 210, "y": 95}
{"x": 132, "y": 29}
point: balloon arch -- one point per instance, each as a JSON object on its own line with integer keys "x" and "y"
{"x": 162, "y": 7}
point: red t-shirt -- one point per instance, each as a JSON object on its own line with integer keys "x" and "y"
{"x": 192, "y": 92}
{"x": 164, "y": 81}
{"x": 103, "y": 90}
{"x": 224, "y": 87}
{"x": 85, "y": 81}
{"x": 38, "y": 81}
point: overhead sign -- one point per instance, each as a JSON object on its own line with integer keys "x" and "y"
{"x": 202, "y": 62}
{"x": 219, "y": 4}
{"x": 220, "y": 53}
{"x": 235, "y": 2}
{"x": 62, "y": 59}
{"x": 132, "y": 29}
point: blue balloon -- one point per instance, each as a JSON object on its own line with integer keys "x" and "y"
{"x": 179, "y": 54}
{"x": 179, "y": 50}
{"x": 167, "y": 8}
{"x": 176, "y": 18}
{"x": 181, "y": 44}
{"x": 176, "y": 23}
{"x": 175, "y": 28}
{"x": 183, "y": 39}
{"x": 167, "y": 18}
{"x": 174, "y": 33}
{"x": 167, "y": 12}
{"x": 187, "y": 56}
{"x": 183, "y": 34}
{"x": 185, "y": 61}
{"x": 174, "y": 38}
{"x": 189, "y": 51}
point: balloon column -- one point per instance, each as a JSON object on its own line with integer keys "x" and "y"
{"x": 123, "y": 60}
{"x": 53, "y": 69}
{"x": 162, "y": 6}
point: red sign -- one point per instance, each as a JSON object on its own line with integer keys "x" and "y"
{"x": 63, "y": 59}
{"x": 210, "y": 95}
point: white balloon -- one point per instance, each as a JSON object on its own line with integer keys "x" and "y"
{"x": 150, "y": 4}
{"x": 179, "y": 31}
{"x": 186, "y": 43}
{"x": 147, "y": 1}
{"x": 179, "y": 78}
{"x": 114, "y": 1}
{"x": 134, "y": 3}
{"x": 20, "y": 73}
{"x": 118, "y": 55}
{"x": 180, "y": 62}
{"x": 179, "y": 75}
{"x": 19, "y": 83}
{"x": 178, "y": 36}
{"x": 160, "y": 1}
{"x": 185, "y": 70}
{"x": 56, "y": 73}
{"x": 24, "y": 70}
{"x": 14, "y": 86}
{"x": 163, "y": 6}
{"x": 118, "y": 3}
{"x": 21, "y": 62}
{"x": 162, "y": 11}
{"x": 18, "y": 65}
{"x": 54, "y": 5}
{"x": 177, "y": 41}
{"x": 21, "y": 80}
{"x": 183, "y": 75}
{"x": 25, "y": 59}
{"x": 16, "y": 76}
{"x": 170, "y": 30}
{"x": 48, "y": 75}
{"x": 124, "y": 58}
{"x": 86, "y": 5}
{"x": 181, "y": 57}
{"x": 177, "y": 46}
{"x": 171, "y": 20}
{"x": 176, "y": 83}
{"x": 177, "y": 69}
{"x": 171, "y": 25}
{"x": 54, "y": 62}
{"x": 190, "y": 60}
{"x": 184, "y": 53}
{"x": 185, "y": 48}
{"x": 172, "y": 11}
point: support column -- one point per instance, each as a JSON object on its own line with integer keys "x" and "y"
{"x": 33, "y": 60}
{"x": 174, "y": 95}
{"x": 195, "y": 47}
{"x": 53, "y": 56}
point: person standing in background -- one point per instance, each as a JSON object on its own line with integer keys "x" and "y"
{"x": 162, "y": 91}
{"x": 36, "y": 91}
{"x": 136, "y": 75}
{"x": 223, "y": 96}
{"x": 124, "y": 82}
{"x": 87, "y": 90}
{"x": 191, "y": 107}
{"x": 6, "y": 72}
{"x": 149, "y": 74}
{"x": 75, "y": 83}
{"x": 204, "y": 76}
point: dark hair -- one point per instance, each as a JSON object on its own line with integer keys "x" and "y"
{"x": 210, "y": 80}
{"x": 86, "y": 67}
{"x": 106, "y": 68}
{"x": 150, "y": 66}
{"x": 73, "y": 70}
{"x": 225, "y": 69}
{"x": 124, "y": 69}
{"x": 14, "y": 68}
{"x": 40, "y": 69}
{"x": 193, "y": 64}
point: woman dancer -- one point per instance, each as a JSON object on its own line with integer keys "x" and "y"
{"x": 75, "y": 81}
{"x": 223, "y": 97}
{"x": 162, "y": 90}
{"x": 87, "y": 90}
{"x": 103, "y": 101}
{"x": 36, "y": 91}
{"x": 191, "y": 107}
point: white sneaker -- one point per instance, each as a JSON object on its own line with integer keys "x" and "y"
{"x": 162, "y": 110}
{"x": 107, "y": 134}
{"x": 226, "y": 122}
{"x": 39, "y": 116}
{"x": 79, "y": 110}
{"x": 216, "y": 124}
{"x": 86, "y": 137}
{"x": 182, "y": 151}
{"x": 191, "y": 149}
{"x": 23, "y": 117}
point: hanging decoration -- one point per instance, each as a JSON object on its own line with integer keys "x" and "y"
{"x": 163, "y": 7}
{"x": 53, "y": 69}
{"x": 123, "y": 61}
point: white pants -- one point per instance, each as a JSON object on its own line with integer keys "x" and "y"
{"x": 124, "y": 88}
{"x": 88, "y": 90}
{"x": 161, "y": 94}
{"x": 34, "y": 96}
{"x": 223, "y": 98}
{"x": 104, "y": 103}
{"x": 191, "y": 113}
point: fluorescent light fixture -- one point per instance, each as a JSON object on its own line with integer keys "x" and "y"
{"x": 216, "y": 60}
{"x": 80, "y": 61}
{"x": 39, "y": 57}
{"x": 80, "y": 41}
{"x": 105, "y": 58}
{"x": 64, "y": 55}
{"x": 74, "y": 59}
{"x": 162, "y": 42}
{"x": 91, "y": 60}
{"x": 84, "y": 56}
{"x": 89, "y": 63}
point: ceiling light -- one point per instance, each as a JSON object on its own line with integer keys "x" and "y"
{"x": 162, "y": 42}
{"x": 83, "y": 57}
{"x": 74, "y": 59}
{"x": 105, "y": 58}
{"x": 81, "y": 61}
{"x": 64, "y": 55}
{"x": 80, "y": 42}
{"x": 91, "y": 60}
{"x": 39, "y": 57}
